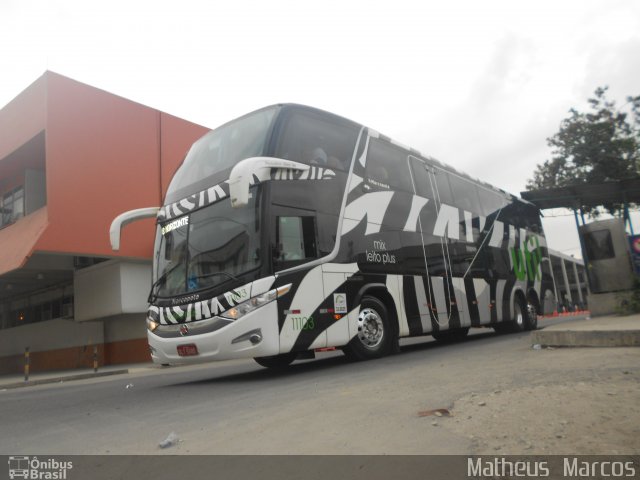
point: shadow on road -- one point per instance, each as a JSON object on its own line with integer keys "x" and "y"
{"x": 337, "y": 361}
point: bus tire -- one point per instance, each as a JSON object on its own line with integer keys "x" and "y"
{"x": 282, "y": 360}
{"x": 531, "y": 317}
{"x": 519, "y": 321}
{"x": 450, "y": 336}
{"x": 375, "y": 333}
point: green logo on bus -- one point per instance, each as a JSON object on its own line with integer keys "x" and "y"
{"x": 527, "y": 264}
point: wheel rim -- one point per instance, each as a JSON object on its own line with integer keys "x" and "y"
{"x": 519, "y": 315}
{"x": 533, "y": 315}
{"x": 370, "y": 328}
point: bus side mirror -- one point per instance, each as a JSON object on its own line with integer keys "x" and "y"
{"x": 124, "y": 219}
{"x": 249, "y": 171}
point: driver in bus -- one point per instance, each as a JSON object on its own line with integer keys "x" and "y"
{"x": 318, "y": 157}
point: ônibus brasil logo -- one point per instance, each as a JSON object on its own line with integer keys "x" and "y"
{"x": 33, "y": 468}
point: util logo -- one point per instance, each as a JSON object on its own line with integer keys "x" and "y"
{"x": 526, "y": 264}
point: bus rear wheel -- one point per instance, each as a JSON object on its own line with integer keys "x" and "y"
{"x": 374, "y": 338}
{"x": 519, "y": 316}
{"x": 524, "y": 318}
{"x": 531, "y": 318}
{"x": 277, "y": 361}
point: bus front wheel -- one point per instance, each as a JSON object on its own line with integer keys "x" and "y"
{"x": 374, "y": 337}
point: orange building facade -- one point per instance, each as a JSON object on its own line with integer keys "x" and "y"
{"x": 72, "y": 158}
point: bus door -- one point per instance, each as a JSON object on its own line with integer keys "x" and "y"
{"x": 439, "y": 293}
{"x": 295, "y": 242}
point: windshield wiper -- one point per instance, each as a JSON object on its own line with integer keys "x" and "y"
{"x": 153, "y": 296}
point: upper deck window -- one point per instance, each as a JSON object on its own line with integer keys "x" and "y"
{"x": 465, "y": 193}
{"x": 387, "y": 166}
{"x": 314, "y": 138}
{"x": 220, "y": 150}
{"x": 491, "y": 202}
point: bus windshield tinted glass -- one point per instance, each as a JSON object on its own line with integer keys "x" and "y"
{"x": 220, "y": 150}
{"x": 319, "y": 139}
{"x": 207, "y": 248}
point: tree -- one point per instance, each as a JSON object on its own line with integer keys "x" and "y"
{"x": 594, "y": 147}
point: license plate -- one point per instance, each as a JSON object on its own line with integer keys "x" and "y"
{"x": 188, "y": 350}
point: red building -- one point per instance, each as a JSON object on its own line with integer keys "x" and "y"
{"x": 72, "y": 158}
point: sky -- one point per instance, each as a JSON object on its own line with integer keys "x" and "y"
{"x": 479, "y": 85}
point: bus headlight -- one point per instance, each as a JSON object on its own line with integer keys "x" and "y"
{"x": 254, "y": 303}
{"x": 151, "y": 324}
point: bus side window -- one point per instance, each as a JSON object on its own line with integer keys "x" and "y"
{"x": 387, "y": 166}
{"x": 465, "y": 193}
{"x": 421, "y": 178}
{"x": 490, "y": 202}
{"x": 295, "y": 239}
{"x": 444, "y": 190}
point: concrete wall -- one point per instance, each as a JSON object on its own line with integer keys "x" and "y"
{"x": 125, "y": 327}
{"x": 66, "y": 344}
{"x": 51, "y": 335}
{"x": 601, "y": 304}
{"x": 124, "y": 153}
{"x": 135, "y": 285}
{"x": 125, "y": 339}
{"x": 110, "y": 289}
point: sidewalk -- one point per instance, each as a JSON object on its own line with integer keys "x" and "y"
{"x": 605, "y": 331}
{"x": 16, "y": 380}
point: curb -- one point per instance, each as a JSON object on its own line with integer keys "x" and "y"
{"x": 67, "y": 378}
{"x": 594, "y": 338}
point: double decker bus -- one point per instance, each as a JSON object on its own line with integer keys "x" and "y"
{"x": 292, "y": 230}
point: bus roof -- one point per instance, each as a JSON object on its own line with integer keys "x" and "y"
{"x": 413, "y": 151}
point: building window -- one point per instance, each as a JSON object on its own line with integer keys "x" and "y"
{"x": 11, "y": 206}
{"x": 56, "y": 308}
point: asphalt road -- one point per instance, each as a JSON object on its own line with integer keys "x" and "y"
{"x": 324, "y": 406}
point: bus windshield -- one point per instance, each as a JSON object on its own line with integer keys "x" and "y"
{"x": 207, "y": 248}
{"x": 219, "y": 150}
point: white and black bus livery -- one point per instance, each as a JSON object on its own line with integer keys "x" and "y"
{"x": 291, "y": 229}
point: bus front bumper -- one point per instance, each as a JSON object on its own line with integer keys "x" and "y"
{"x": 254, "y": 335}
